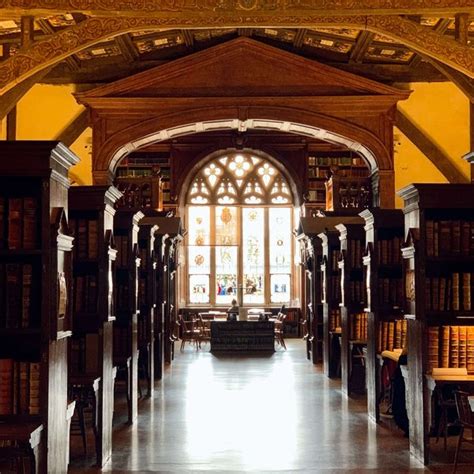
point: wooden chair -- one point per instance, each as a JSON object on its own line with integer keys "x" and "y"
{"x": 189, "y": 332}
{"x": 445, "y": 405}
{"x": 466, "y": 420}
{"x": 279, "y": 328}
{"x": 205, "y": 328}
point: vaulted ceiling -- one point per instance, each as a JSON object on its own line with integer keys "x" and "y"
{"x": 352, "y": 49}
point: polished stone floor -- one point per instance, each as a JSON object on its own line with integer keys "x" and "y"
{"x": 255, "y": 414}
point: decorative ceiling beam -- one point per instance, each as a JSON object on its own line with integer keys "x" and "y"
{"x": 27, "y": 31}
{"x": 71, "y": 61}
{"x": 360, "y": 48}
{"x": 435, "y": 154}
{"x": 440, "y": 28}
{"x": 50, "y": 51}
{"x": 127, "y": 48}
{"x": 242, "y": 7}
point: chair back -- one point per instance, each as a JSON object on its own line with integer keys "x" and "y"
{"x": 464, "y": 409}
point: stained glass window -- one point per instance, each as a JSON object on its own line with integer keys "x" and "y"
{"x": 253, "y": 250}
{"x": 239, "y": 224}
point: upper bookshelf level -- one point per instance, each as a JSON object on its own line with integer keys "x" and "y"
{"x": 337, "y": 180}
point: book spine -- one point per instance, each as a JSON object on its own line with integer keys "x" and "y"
{"x": 30, "y": 224}
{"x": 15, "y": 218}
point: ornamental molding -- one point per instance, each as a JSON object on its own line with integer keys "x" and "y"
{"x": 233, "y": 7}
{"x": 49, "y": 51}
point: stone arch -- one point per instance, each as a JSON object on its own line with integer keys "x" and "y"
{"x": 58, "y": 46}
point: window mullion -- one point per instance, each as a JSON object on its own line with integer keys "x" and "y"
{"x": 212, "y": 276}
{"x": 266, "y": 249}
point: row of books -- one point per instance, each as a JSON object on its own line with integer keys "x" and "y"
{"x": 122, "y": 296}
{"x": 451, "y": 347}
{"x": 446, "y": 238}
{"x": 334, "y": 258}
{"x": 452, "y": 292}
{"x": 19, "y": 223}
{"x": 335, "y": 161}
{"x": 389, "y": 251}
{"x": 392, "y": 335}
{"x": 123, "y": 245}
{"x": 390, "y": 291}
{"x": 334, "y": 319}
{"x": 335, "y": 283}
{"x": 86, "y": 238}
{"x": 355, "y": 249}
{"x": 18, "y": 292}
{"x": 19, "y": 387}
{"x": 359, "y": 327}
{"x": 144, "y": 255}
{"x": 84, "y": 354}
{"x": 356, "y": 292}
{"x": 85, "y": 293}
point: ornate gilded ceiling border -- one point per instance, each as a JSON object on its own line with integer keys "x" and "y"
{"x": 237, "y": 7}
{"x": 55, "y": 48}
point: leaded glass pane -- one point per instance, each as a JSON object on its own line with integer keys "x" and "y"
{"x": 280, "y": 239}
{"x": 226, "y": 274}
{"x": 280, "y": 288}
{"x": 199, "y": 288}
{"x": 199, "y": 225}
{"x": 253, "y": 254}
{"x": 226, "y": 225}
{"x": 199, "y": 259}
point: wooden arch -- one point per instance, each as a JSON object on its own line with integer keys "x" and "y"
{"x": 53, "y": 49}
{"x": 240, "y": 85}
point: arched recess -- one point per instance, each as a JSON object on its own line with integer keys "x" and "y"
{"x": 282, "y": 119}
{"x": 53, "y": 49}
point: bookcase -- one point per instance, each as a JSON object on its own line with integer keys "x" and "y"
{"x": 91, "y": 213}
{"x": 349, "y": 185}
{"x": 352, "y": 303}
{"x": 147, "y": 294}
{"x": 35, "y": 293}
{"x": 311, "y": 258}
{"x": 166, "y": 246}
{"x": 383, "y": 276}
{"x": 125, "y": 341}
{"x": 438, "y": 264}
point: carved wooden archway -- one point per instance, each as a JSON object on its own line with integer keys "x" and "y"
{"x": 245, "y": 84}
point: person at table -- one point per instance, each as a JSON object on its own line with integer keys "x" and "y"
{"x": 233, "y": 311}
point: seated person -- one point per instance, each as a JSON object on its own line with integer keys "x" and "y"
{"x": 233, "y": 311}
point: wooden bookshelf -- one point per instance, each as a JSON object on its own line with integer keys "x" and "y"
{"x": 147, "y": 300}
{"x": 438, "y": 259}
{"x": 35, "y": 295}
{"x": 125, "y": 344}
{"x": 336, "y": 180}
{"x": 383, "y": 276}
{"x": 91, "y": 212}
{"x": 352, "y": 304}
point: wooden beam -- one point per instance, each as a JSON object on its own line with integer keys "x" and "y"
{"x": 11, "y": 124}
{"x": 127, "y": 48}
{"x": 74, "y": 129}
{"x": 440, "y": 28}
{"x": 299, "y": 37}
{"x": 50, "y": 51}
{"x": 464, "y": 83}
{"x": 27, "y": 31}
{"x": 461, "y": 25}
{"x": 239, "y": 10}
{"x": 360, "y": 48}
{"x": 435, "y": 154}
{"x": 71, "y": 61}
{"x": 12, "y": 97}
